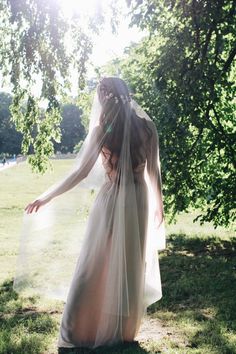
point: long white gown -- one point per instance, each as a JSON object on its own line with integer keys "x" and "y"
{"x": 117, "y": 272}
{"x": 90, "y": 316}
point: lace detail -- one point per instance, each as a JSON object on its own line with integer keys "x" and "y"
{"x": 111, "y": 172}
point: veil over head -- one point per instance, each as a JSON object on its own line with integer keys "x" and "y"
{"x": 59, "y": 234}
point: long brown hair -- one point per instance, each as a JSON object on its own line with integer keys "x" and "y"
{"x": 113, "y": 94}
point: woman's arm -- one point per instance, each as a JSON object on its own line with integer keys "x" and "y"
{"x": 88, "y": 160}
{"x": 154, "y": 172}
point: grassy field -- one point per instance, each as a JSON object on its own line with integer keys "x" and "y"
{"x": 197, "y": 313}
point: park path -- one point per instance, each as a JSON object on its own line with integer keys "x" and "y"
{"x": 7, "y": 165}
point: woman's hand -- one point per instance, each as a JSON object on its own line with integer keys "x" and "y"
{"x": 36, "y": 205}
{"x": 158, "y": 217}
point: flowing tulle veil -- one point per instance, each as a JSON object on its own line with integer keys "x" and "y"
{"x": 52, "y": 240}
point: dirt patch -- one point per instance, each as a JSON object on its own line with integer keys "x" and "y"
{"x": 151, "y": 329}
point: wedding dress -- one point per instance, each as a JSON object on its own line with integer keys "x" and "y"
{"x": 117, "y": 271}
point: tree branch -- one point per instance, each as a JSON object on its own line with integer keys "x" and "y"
{"x": 229, "y": 144}
{"x": 207, "y": 41}
{"x": 198, "y": 137}
{"x": 229, "y": 60}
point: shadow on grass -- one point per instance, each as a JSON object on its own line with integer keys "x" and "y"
{"x": 23, "y": 329}
{"x": 199, "y": 289}
{"x": 125, "y": 348}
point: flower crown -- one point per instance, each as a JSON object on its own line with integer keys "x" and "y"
{"x": 123, "y": 98}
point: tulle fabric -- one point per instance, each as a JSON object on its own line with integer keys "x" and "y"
{"x": 105, "y": 266}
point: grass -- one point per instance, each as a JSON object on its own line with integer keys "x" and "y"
{"x": 197, "y": 313}
{"x": 199, "y": 285}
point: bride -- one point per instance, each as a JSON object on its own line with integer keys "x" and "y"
{"x": 117, "y": 272}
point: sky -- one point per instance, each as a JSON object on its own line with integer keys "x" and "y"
{"x": 107, "y": 45}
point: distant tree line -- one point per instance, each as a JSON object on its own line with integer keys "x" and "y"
{"x": 72, "y": 128}
{"x": 10, "y": 139}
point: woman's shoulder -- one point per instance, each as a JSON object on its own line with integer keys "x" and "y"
{"x": 153, "y": 128}
{"x": 151, "y": 124}
{"x": 97, "y": 131}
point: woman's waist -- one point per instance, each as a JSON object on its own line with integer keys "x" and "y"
{"x": 126, "y": 180}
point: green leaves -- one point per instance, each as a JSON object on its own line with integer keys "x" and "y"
{"x": 184, "y": 75}
{"x": 39, "y": 50}
{"x": 38, "y": 128}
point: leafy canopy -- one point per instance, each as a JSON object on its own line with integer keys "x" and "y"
{"x": 184, "y": 74}
{"x": 40, "y": 51}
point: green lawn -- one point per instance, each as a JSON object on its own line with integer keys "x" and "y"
{"x": 197, "y": 313}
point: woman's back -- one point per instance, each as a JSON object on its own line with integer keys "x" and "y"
{"x": 140, "y": 135}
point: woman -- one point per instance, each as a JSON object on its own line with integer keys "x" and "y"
{"x": 117, "y": 274}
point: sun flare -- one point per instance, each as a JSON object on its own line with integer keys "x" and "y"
{"x": 106, "y": 44}
{"x": 86, "y": 8}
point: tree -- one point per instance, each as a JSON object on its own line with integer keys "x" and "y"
{"x": 72, "y": 129}
{"x": 10, "y": 139}
{"x": 35, "y": 56}
{"x": 183, "y": 73}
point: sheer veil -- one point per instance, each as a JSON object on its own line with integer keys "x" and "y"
{"x": 67, "y": 230}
